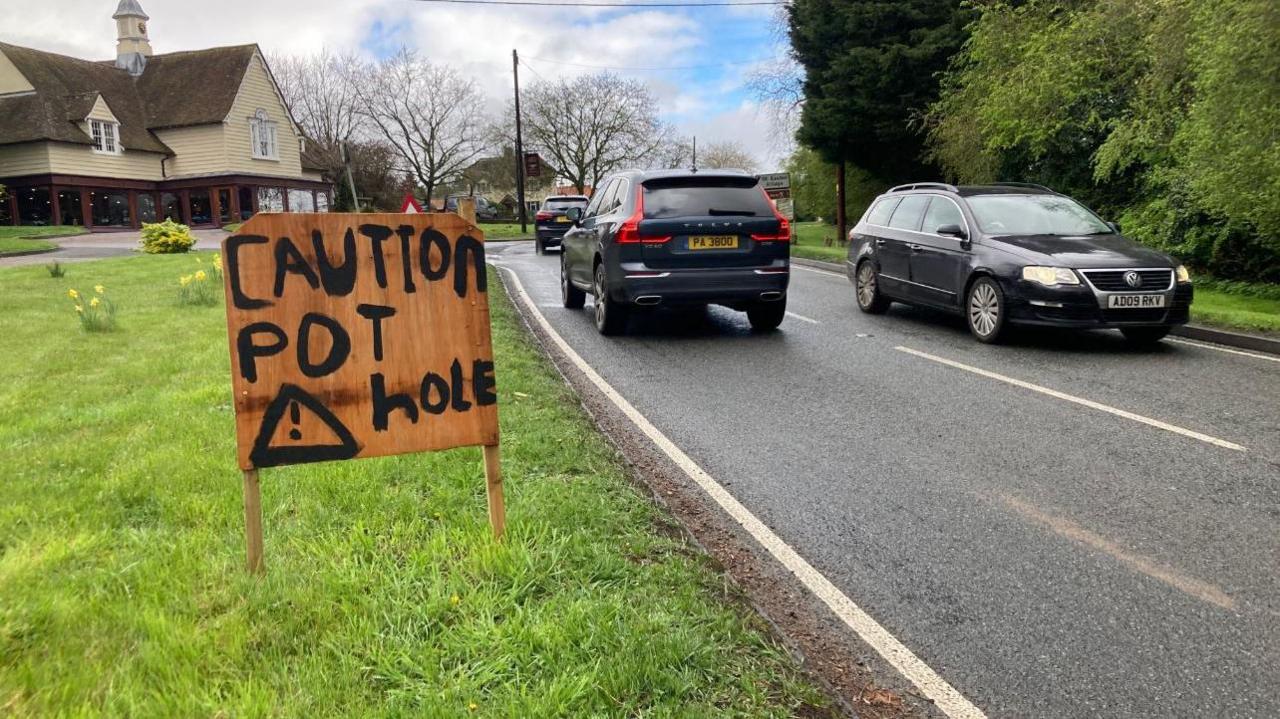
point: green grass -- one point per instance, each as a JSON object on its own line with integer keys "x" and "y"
{"x": 21, "y": 239}
{"x": 1235, "y": 311}
{"x": 233, "y": 227}
{"x": 810, "y": 242}
{"x": 506, "y": 230}
{"x": 122, "y": 590}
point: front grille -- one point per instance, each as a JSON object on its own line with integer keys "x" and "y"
{"x": 1113, "y": 280}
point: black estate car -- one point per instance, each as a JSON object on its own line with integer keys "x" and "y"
{"x": 1012, "y": 253}
{"x": 551, "y": 222}
{"x": 677, "y": 237}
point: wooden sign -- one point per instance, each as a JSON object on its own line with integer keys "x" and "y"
{"x": 359, "y": 335}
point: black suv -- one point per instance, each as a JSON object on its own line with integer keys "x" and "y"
{"x": 677, "y": 237}
{"x": 1012, "y": 253}
{"x": 551, "y": 222}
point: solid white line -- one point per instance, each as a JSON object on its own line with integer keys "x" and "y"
{"x": 806, "y": 268}
{"x": 944, "y": 696}
{"x": 1078, "y": 400}
{"x": 1224, "y": 349}
{"x": 802, "y": 318}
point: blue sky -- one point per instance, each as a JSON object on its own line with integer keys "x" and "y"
{"x": 709, "y": 101}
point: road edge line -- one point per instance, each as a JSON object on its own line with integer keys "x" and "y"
{"x": 944, "y": 696}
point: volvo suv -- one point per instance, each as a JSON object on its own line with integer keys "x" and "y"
{"x": 677, "y": 238}
{"x": 1012, "y": 254}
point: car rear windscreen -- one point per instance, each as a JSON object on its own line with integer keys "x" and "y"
{"x": 705, "y": 197}
{"x": 561, "y": 202}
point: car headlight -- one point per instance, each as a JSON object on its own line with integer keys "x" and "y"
{"x": 1183, "y": 275}
{"x": 1050, "y": 276}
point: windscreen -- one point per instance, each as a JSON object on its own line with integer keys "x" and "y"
{"x": 1034, "y": 215}
{"x": 705, "y": 197}
{"x": 560, "y": 203}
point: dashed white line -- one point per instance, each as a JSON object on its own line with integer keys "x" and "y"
{"x": 951, "y": 702}
{"x": 1224, "y": 349}
{"x": 1077, "y": 400}
{"x": 802, "y": 318}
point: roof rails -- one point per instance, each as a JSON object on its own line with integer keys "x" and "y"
{"x": 925, "y": 186}
{"x": 1031, "y": 185}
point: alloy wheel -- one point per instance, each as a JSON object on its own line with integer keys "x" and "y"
{"x": 600, "y": 297}
{"x": 866, "y": 285}
{"x": 984, "y": 309}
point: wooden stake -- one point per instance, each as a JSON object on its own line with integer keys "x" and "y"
{"x": 253, "y": 521}
{"x": 493, "y": 478}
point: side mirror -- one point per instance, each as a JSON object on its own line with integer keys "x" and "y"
{"x": 1115, "y": 227}
{"x": 574, "y": 214}
{"x": 951, "y": 230}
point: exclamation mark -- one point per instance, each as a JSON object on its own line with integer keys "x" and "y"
{"x": 295, "y": 414}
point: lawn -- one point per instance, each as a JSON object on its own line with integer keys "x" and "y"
{"x": 122, "y": 590}
{"x": 1235, "y": 311}
{"x": 810, "y": 242}
{"x": 21, "y": 239}
{"x": 506, "y": 230}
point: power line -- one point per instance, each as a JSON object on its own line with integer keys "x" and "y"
{"x": 650, "y": 69}
{"x": 565, "y": 3}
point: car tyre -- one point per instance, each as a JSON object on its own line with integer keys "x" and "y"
{"x": 867, "y": 286}
{"x": 611, "y": 315}
{"x": 1144, "y": 336}
{"x": 572, "y": 297}
{"x": 985, "y": 310}
{"x": 767, "y": 316}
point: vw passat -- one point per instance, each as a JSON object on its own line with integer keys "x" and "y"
{"x": 1012, "y": 254}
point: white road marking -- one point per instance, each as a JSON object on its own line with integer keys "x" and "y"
{"x": 1077, "y": 400}
{"x": 933, "y": 686}
{"x": 807, "y": 268}
{"x": 1269, "y": 358}
{"x": 802, "y": 318}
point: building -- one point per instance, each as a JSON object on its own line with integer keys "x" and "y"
{"x": 202, "y": 137}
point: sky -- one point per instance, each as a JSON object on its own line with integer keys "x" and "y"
{"x": 715, "y": 48}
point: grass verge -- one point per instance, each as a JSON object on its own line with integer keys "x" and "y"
{"x": 1236, "y": 311}
{"x": 811, "y": 242}
{"x": 23, "y": 239}
{"x": 506, "y": 230}
{"x": 121, "y": 548}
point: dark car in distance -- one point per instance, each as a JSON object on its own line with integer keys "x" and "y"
{"x": 550, "y": 223}
{"x": 677, "y": 238}
{"x": 1012, "y": 254}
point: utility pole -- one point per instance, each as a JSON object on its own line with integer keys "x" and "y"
{"x": 515, "y": 74}
{"x": 694, "y": 164}
{"x": 841, "y": 220}
{"x": 346, "y": 162}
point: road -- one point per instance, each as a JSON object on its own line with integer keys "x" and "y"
{"x": 1061, "y": 526}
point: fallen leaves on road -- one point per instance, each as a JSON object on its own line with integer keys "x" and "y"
{"x": 879, "y": 698}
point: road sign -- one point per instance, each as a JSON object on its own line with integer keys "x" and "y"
{"x": 777, "y": 185}
{"x": 532, "y": 164}
{"x": 359, "y": 335}
{"x": 410, "y": 205}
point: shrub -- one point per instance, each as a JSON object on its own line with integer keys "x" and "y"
{"x": 56, "y": 269}
{"x": 98, "y": 313}
{"x": 168, "y": 237}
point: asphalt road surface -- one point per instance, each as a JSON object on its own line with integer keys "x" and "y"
{"x": 1047, "y": 557}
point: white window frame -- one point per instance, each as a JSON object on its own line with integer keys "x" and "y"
{"x": 262, "y": 131}
{"x": 106, "y": 137}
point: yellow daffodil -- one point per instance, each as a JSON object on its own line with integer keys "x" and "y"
{"x": 99, "y": 289}
{"x": 473, "y": 706}
{"x": 184, "y": 280}
{"x": 73, "y": 294}
{"x": 455, "y": 600}
{"x": 94, "y": 302}
{"x": 79, "y": 309}
{"x": 200, "y": 275}
{"x": 217, "y": 262}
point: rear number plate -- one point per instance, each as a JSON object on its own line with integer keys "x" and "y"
{"x": 1116, "y": 302}
{"x": 713, "y": 242}
{"x": 562, "y": 218}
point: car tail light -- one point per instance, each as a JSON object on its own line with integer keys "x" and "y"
{"x": 784, "y": 226}
{"x": 629, "y": 231}
{"x": 544, "y": 215}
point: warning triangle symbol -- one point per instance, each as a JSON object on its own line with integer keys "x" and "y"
{"x": 294, "y": 446}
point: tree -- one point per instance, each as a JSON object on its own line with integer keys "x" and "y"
{"x": 726, "y": 154}
{"x": 591, "y": 126}
{"x": 321, "y": 94}
{"x": 870, "y": 68}
{"x": 429, "y": 114}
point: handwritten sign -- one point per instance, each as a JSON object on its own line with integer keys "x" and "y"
{"x": 358, "y": 335}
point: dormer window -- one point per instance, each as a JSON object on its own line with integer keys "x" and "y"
{"x": 262, "y": 136}
{"x": 104, "y": 136}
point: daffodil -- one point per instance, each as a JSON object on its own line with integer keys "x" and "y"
{"x": 79, "y": 309}
{"x": 455, "y": 600}
{"x": 184, "y": 280}
{"x": 473, "y": 706}
{"x": 217, "y": 262}
{"x": 94, "y": 302}
{"x": 200, "y": 275}
{"x": 99, "y": 289}
{"x": 73, "y": 294}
